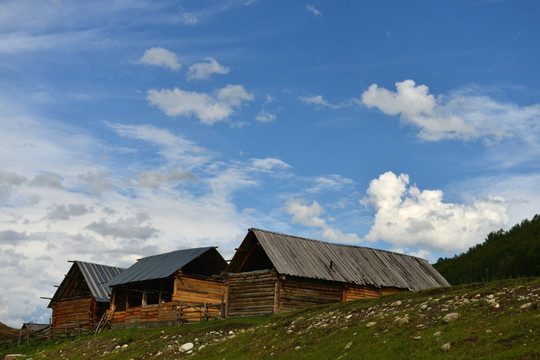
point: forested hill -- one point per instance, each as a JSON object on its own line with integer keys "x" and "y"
{"x": 504, "y": 254}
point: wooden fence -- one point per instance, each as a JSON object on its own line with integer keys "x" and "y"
{"x": 196, "y": 312}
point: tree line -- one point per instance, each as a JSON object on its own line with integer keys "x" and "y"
{"x": 504, "y": 254}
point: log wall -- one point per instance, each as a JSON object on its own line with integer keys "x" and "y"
{"x": 161, "y": 312}
{"x": 71, "y": 312}
{"x": 250, "y": 294}
{"x": 295, "y": 294}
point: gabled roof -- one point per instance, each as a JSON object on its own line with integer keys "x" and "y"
{"x": 92, "y": 277}
{"x": 296, "y": 256}
{"x": 163, "y": 265}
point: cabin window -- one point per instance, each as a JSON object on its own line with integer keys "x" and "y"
{"x": 134, "y": 297}
{"x": 152, "y": 296}
{"x": 120, "y": 299}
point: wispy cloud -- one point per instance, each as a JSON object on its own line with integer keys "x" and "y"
{"x": 203, "y": 71}
{"x": 311, "y": 216}
{"x": 313, "y": 10}
{"x": 460, "y": 115}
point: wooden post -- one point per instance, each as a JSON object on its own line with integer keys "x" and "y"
{"x": 50, "y": 329}
{"x": 205, "y": 311}
{"x": 226, "y": 310}
{"x": 20, "y": 337}
{"x": 276, "y": 296}
{"x": 28, "y": 332}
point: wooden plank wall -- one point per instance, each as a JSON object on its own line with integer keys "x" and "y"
{"x": 75, "y": 311}
{"x": 251, "y": 294}
{"x": 161, "y": 312}
{"x": 296, "y": 294}
{"x": 197, "y": 290}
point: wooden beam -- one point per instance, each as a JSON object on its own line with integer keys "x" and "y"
{"x": 247, "y": 256}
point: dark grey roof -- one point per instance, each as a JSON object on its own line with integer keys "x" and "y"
{"x": 158, "y": 266}
{"x": 95, "y": 276}
{"x": 35, "y": 327}
{"x": 308, "y": 258}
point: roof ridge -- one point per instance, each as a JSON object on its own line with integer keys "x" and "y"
{"x": 335, "y": 244}
{"x": 92, "y": 263}
{"x": 175, "y": 251}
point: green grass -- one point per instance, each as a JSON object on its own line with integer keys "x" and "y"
{"x": 339, "y": 331}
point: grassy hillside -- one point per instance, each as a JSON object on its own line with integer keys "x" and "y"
{"x": 7, "y": 332}
{"x": 497, "y": 320}
{"x": 503, "y": 255}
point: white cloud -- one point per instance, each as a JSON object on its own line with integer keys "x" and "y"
{"x": 63, "y": 212}
{"x": 97, "y": 184}
{"x": 158, "y": 56}
{"x": 312, "y": 10}
{"x": 189, "y": 19}
{"x": 265, "y": 116}
{"x": 319, "y": 100}
{"x": 129, "y": 228}
{"x": 155, "y": 178}
{"x": 176, "y": 149}
{"x": 330, "y": 182}
{"x": 310, "y": 215}
{"x": 269, "y": 164}
{"x": 407, "y": 216}
{"x": 202, "y": 71}
{"x": 47, "y": 180}
{"x": 207, "y": 108}
{"x": 11, "y": 178}
{"x": 461, "y": 115}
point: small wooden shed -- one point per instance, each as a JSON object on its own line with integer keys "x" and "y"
{"x": 165, "y": 289}
{"x": 272, "y": 273}
{"x": 83, "y": 297}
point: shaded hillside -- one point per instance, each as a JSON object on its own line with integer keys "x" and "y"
{"x": 7, "y": 332}
{"x": 495, "y": 321}
{"x": 503, "y": 255}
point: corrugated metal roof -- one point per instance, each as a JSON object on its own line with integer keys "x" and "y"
{"x": 158, "y": 266}
{"x": 292, "y": 255}
{"x": 95, "y": 276}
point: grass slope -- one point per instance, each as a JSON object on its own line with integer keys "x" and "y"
{"x": 6, "y": 332}
{"x": 497, "y": 320}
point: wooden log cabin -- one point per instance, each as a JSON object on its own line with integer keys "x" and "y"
{"x": 83, "y": 297}
{"x": 272, "y": 273}
{"x": 165, "y": 289}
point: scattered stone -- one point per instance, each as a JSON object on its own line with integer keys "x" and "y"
{"x": 12, "y": 356}
{"x": 495, "y": 305}
{"x": 423, "y": 307}
{"x": 525, "y": 306}
{"x": 124, "y": 346}
{"x": 348, "y": 317}
{"x": 186, "y": 347}
{"x": 370, "y": 324}
{"x": 348, "y": 346}
{"x": 402, "y": 320}
{"x": 396, "y": 303}
{"x": 417, "y": 338}
{"x": 448, "y": 318}
{"x": 488, "y": 331}
{"x": 437, "y": 333}
{"x": 297, "y": 348}
{"x": 446, "y": 347}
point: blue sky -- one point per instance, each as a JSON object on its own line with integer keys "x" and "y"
{"x": 132, "y": 127}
